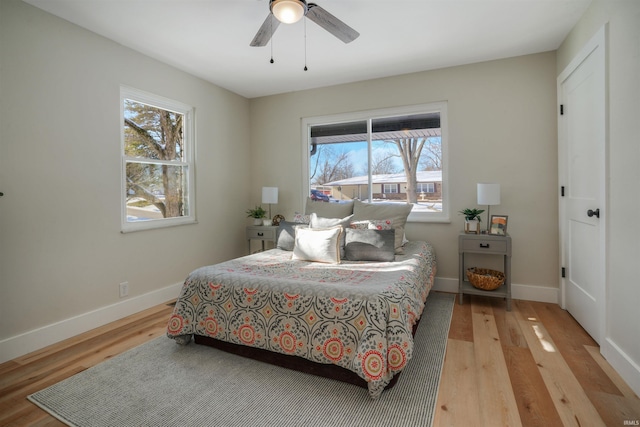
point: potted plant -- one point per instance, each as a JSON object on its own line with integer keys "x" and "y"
{"x": 257, "y": 214}
{"x": 472, "y": 220}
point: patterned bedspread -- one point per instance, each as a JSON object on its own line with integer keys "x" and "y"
{"x": 358, "y": 315}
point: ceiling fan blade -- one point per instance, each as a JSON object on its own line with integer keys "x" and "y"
{"x": 330, "y": 23}
{"x": 265, "y": 32}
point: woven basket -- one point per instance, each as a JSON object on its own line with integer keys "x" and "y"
{"x": 485, "y": 279}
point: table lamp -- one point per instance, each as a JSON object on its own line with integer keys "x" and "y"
{"x": 488, "y": 194}
{"x": 269, "y": 196}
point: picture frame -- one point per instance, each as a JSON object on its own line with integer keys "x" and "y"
{"x": 498, "y": 225}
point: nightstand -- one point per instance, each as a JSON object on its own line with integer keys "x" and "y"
{"x": 485, "y": 244}
{"x": 266, "y": 233}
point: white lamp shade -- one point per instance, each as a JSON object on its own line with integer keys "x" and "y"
{"x": 269, "y": 194}
{"x": 288, "y": 11}
{"x": 488, "y": 194}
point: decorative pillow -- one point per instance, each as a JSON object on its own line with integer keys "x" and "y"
{"x": 286, "y": 234}
{"x": 396, "y": 212}
{"x": 370, "y": 245}
{"x": 319, "y": 222}
{"x": 301, "y": 218}
{"x": 359, "y": 225}
{"x": 373, "y": 224}
{"x": 317, "y": 244}
{"x": 329, "y": 209}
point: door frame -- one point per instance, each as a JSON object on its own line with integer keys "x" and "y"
{"x": 598, "y": 41}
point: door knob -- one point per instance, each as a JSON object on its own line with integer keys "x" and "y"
{"x": 595, "y": 213}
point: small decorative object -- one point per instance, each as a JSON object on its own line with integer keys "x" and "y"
{"x": 471, "y": 220}
{"x": 485, "y": 279}
{"x": 276, "y": 220}
{"x": 498, "y": 225}
{"x": 257, "y": 214}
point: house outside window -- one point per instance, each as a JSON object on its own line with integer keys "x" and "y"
{"x": 157, "y": 149}
{"x": 366, "y": 156}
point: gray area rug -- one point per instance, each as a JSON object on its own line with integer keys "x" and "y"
{"x": 161, "y": 383}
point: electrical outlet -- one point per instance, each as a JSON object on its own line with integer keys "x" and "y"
{"x": 124, "y": 289}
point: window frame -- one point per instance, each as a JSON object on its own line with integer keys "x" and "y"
{"x": 440, "y": 107}
{"x": 188, "y": 130}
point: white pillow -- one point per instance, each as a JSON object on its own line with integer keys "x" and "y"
{"x": 315, "y": 221}
{"x": 317, "y": 244}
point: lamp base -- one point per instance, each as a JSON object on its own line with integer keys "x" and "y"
{"x": 488, "y": 220}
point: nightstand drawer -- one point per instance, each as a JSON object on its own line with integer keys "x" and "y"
{"x": 261, "y": 233}
{"x": 476, "y": 245}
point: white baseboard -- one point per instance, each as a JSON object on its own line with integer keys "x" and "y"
{"x": 25, "y": 343}
{"x": 524, "y": 292}
{"x": 622, "y": 363}
{"x": 535, "y": 293}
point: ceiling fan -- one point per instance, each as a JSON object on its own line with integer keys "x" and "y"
{"x": 290, "y": 11}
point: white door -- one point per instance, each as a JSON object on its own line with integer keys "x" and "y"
{"x": 582, "y": 163}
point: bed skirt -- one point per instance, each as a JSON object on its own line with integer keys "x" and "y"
{"x": 295, "y": 363}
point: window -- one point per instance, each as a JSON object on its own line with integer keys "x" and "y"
{"x": 391, "y": 155}
{"x": 157, "y": 161}
{"x": 390, "y": 188}
{"x": 426, "y": 187}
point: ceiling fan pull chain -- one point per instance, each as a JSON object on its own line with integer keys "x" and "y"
{"x": 271, "y": 43}
{"x": 305, "y": 44}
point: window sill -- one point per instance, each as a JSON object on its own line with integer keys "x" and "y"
{"x": 154, "y": 224}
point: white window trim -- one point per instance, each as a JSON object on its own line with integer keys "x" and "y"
{"x": 441, "y": 107}
{"x": 190, "y": 145}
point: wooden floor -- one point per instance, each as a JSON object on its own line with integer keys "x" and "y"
{"x": 533, "y": 366}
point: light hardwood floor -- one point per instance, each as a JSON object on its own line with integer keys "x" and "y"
{"x": 533, "y": 366}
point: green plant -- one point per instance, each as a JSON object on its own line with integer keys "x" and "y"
{"x": 471, "y": 214}
{"x": 258, "y": 212}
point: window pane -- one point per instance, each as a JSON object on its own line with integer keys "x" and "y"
{"x": 152, "y": 133}
{"x": 156, "y": 191}
{"x": 339, "y": 153}
{"x": 405, "y": 160}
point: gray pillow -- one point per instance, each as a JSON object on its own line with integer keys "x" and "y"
{"x": 370, "y": 245}
{"x": 397, "y": 212}
{"x": 316, "y": 221}
{"x": 286, "y": 234}
{"x": 329, "y": 209}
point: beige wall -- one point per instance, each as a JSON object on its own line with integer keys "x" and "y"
{"x": 61, "y": 250}
{"x": 502, "y": 127}
{"x": 622, "y": 342}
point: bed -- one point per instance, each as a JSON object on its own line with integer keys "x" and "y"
{"x": 350, "y": 320}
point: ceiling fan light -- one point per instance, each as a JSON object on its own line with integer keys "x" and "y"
{"x": 288, "y": 11}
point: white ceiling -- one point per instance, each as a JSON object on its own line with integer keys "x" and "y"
{"x": 210, "y": 38}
